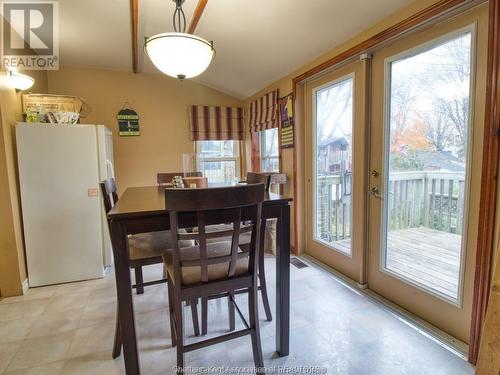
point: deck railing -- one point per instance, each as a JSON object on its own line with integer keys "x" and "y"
{"x": 430, "y": 199}
{"x": 333, "y": 209}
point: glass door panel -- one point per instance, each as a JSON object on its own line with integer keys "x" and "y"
{"x": 333, "y": 164}
{"x": 426, "y": 154}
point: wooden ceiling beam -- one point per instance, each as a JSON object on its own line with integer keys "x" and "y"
{"x": 197, "y": 15}
{"x": 134, "y": 16}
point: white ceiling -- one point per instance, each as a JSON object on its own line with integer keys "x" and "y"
{"x": 257, "y": 41}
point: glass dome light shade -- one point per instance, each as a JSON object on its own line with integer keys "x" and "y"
{"x": 179, "y": 55}
{"x": 20, "y": 81}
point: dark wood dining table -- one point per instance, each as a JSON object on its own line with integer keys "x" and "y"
{"x": 141, "y": 210}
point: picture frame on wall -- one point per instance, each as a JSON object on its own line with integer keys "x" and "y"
{"x": 287, "y": 121}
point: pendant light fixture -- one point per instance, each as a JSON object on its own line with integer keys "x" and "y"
{"x": 19, "y": 81}
{"x": 179, "y": 55}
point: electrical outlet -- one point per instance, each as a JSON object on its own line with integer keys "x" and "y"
{"x": 92, "y": 192}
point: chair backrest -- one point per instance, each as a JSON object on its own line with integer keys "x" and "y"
{"x": 166, "y": 178}
{"x": 203, "y": 207}
{"x": 109, "y": 193}
{"x": 259, "y": 178}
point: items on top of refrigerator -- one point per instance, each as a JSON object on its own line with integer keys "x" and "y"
{"x": 55, "y": 109}
{"x": 63, "y": 117}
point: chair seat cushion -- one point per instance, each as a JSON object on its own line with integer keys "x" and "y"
{"x": 219, "y": 271}
{"x": 151, "y": 245}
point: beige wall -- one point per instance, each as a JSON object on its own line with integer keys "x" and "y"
{"x": 12, "y": 259}
{"x": 162, "y": 104}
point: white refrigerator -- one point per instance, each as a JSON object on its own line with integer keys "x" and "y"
{"x": 65, "y": 229}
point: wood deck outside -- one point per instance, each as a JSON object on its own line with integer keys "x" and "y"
{"x": 426, "y": 256}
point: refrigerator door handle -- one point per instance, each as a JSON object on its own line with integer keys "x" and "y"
{"x": 110, "y": 169}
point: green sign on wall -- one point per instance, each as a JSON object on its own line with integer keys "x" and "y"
{"x": 128, "y": 122}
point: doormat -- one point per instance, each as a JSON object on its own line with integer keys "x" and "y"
{"x": 298, "y": 263}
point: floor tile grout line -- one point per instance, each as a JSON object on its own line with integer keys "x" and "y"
{"x": 43, "y": 364}
{"x": 12, "y": 358}
{"x": 39, "y": 365}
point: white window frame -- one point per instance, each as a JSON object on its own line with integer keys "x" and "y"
{"x": 262, "y": 137}
{"x": 236, "y": 158}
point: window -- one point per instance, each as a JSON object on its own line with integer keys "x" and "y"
{"x": 220, "y": 160}
{"x": 269, "y": 153}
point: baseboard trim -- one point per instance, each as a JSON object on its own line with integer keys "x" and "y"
{"x": 442, "y": 338}
{"x": 25, "y": 286}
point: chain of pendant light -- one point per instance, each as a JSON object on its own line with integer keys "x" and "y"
{"x": 179, "y": 19}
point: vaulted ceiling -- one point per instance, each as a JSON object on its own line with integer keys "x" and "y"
{"x": 257, "y": 41}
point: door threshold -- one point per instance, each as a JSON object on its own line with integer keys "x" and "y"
{"x": 440, "y": 337}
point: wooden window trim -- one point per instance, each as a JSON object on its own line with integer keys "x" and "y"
{"x": 255, "y": 153}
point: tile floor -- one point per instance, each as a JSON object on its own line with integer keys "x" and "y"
{"x": 68, "y": 329}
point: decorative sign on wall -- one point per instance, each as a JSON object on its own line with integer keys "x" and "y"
{"x": 286, "y": 121}
{"x": 128, "y": 121}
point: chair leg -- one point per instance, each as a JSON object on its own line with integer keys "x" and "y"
{"x": 263, "y": 289}
{"x": 139, "y": 280}
{"x": 232, "y": 311}
{"x": 179, "y": 330}
{"x": 262, "y": 274}
{"x": 117, "y": 345}
{"x": 171, "y": 311}
{"x": 194, "y": 315}
{"x": 253, "y": 312}
{"x": 204, "y": 315}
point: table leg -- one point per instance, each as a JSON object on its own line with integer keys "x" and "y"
{"x": 283, "y": 282}
{"x": 124, "y": 294}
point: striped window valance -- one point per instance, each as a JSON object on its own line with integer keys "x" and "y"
{"x": 215, "y": 123}
{"x": 264, "y": 112}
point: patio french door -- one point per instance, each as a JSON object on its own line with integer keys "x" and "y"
{"x": 393, "y": 169}
{"x": 426, "y": 139}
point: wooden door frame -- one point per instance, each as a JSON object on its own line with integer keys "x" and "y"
{"x": 437, "y": 12}
{"x": 489, "y": 193}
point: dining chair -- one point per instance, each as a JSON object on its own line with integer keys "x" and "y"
{"x": 144, "y": 249}
{"x": 166, "y": 178}
{"x": 216, "y": 269}
{"x": 259, "y": 178}
{"x": 244, "y": 242}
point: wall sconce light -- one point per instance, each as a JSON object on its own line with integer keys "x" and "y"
{"x": 20, "y": 81}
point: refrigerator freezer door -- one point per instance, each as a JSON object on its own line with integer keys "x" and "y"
{"x": 106, "y": 170}
{"x": 58, "y": 173}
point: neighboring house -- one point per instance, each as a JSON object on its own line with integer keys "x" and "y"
{"x": 439, "y": 161}
{"x": 334, "y": 155}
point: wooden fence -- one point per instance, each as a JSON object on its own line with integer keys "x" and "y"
{"x": 430, "y": 199}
